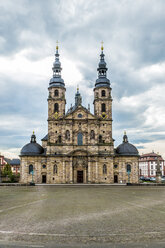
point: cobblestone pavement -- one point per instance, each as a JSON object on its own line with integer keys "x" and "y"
{"x": 106, "y": 216}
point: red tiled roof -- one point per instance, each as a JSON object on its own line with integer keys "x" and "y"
{"x": 150, "y": 157}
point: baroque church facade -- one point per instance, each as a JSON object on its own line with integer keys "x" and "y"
{"x": 79, "y": 147}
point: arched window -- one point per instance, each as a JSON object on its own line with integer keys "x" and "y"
{"x": 92, "y": 134}
{"x": 30, "y": 169}
{"x": 80, "y": 139}
{"x": 104, "y": 169}
{"x": 56, "y": 109}
{"x": 56, "y": 93}
{"x": 100, "y": 139}
{"x": 128, "y": 168}
{"x": 103, "y": 107}
{"x": 55, "y": 169}
{"x": 67, "y": 135}
{"x": 103, "y": 93}
{"x": 59, "y": 139}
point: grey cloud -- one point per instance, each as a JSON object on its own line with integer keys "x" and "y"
{"x": 140, "y": 147}
{"x": 133, "y": 34}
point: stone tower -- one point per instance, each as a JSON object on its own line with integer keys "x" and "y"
{"x": 103, "y": 106}
{"x": 102, "y": 91}
{"x": 56, "y": 99}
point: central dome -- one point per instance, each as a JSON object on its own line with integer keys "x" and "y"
{"x": 32, "y": 148}
{"x": 127, "y": 149}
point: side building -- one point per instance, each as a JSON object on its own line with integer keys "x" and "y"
{"x": 148, "y": 163}
{"x": 14, "y": 163}
{"x": 79, "y": 147}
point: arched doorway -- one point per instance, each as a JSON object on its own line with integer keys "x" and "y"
{"x": 80, "y": 166}
{"x": 80, "y": 175}
{"x": 115, "y": 178}
{"x": 43, "y": 178}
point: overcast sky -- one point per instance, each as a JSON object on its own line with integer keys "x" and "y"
{"x": 134, "y": 45}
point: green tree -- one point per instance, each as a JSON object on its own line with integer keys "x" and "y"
{"x": 7, "y": 172}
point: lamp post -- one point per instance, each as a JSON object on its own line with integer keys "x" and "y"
{"x": 32, "y": 182}
{"x": 32, "y": 176}
{"x": 128, "y": 172}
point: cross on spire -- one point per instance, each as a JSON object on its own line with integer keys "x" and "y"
{"x": 57, "y": 42}
{"x": 77, "y": 88}
{"x": 102, "y": 48}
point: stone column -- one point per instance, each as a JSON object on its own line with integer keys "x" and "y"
{"x": 85, "y": 175}
{"x": 96, "y": 172}
{"x": 64, "y": 181}
{"x": 89, "y": 172}
{"x": 71, "y": 172}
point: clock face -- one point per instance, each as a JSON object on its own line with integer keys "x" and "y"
{"x": 56, "y": 115}
{"x": 103, "y": 115}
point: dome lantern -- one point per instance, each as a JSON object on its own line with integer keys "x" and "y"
{"x": 78, "y": 98}
{"x": 33, "y": 138}
{"x": 125, "y": 138}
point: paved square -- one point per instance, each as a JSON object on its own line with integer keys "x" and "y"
{"x": 82, "y": 216}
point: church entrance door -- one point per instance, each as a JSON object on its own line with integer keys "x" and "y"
{"x": 115, "y": 178}
{"x": 43, "y": 178}
{"x": 79, "y": 176}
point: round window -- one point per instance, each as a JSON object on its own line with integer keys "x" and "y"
{"x": 79, "y": 115}
{"x": 44, "y": 166}
{"x": 115, "y": 166}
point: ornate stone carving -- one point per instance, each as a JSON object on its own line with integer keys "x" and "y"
{"x": 80, "y": 161}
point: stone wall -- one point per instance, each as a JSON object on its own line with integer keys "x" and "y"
{"x": 91, "y": 166}
{"x": 121, "y": 168}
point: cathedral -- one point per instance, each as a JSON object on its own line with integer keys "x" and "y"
{"x": 79, "y": 147}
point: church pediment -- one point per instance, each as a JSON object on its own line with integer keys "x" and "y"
{"x": 80, "y": 113}
{"x": 79, "y": 152}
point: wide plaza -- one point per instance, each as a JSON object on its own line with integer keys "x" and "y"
{"x": 82, "y": 216}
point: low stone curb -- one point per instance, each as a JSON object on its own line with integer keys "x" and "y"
{"x": 15, "y": 184}
{"x": 145, "y": 184}
{"x": 82, "y": 185}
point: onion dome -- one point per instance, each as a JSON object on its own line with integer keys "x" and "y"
{"x": 126, "y": 149}
{"x": 102, "y": 80}
{"x": 56, "y": 80}
{"x": 32, "y": 148}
